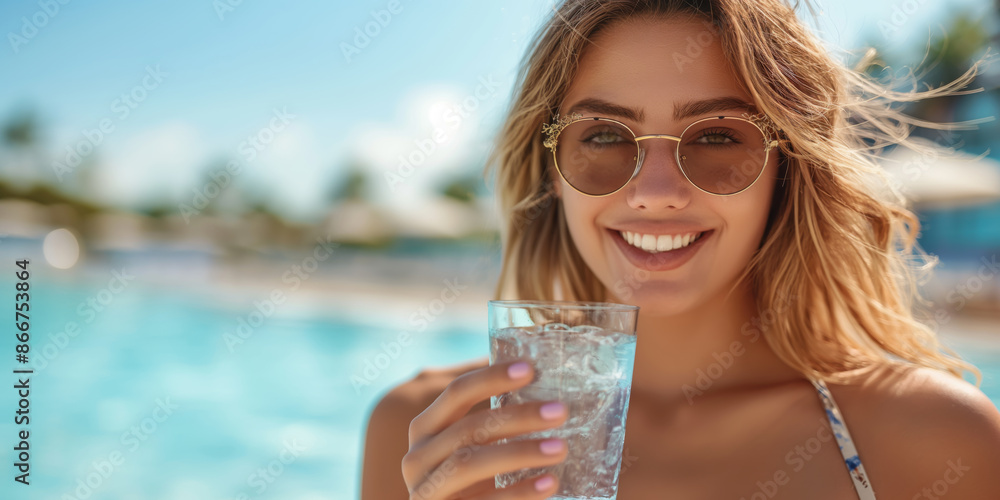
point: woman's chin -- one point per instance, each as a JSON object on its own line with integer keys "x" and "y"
{"x": 655, "y": 301}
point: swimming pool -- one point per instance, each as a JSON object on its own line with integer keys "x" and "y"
{"x": 160, "y": 395}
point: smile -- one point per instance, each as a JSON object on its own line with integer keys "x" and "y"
{"x": 653, "y": 243}
{"x": 677, "y": 248}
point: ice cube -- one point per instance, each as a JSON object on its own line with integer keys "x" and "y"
{"x": 587, "y": 330}
{"x": 555, "y": 327}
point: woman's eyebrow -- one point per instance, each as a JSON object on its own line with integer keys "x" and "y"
{"x": 681, "y": 110}
{"x": 705, "y": 106}
{"x": 602, "y": 107}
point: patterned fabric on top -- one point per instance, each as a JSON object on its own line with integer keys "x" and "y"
{"x": 851, "y": 458}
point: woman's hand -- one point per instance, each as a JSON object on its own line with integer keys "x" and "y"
{"x": 452, "y": 452}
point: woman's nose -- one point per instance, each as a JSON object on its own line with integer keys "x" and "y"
{"x": 660, "y": 184}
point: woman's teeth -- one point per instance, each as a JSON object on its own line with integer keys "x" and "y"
{"x": 662, "y": 243}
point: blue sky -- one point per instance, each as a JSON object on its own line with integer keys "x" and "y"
{"x": 225, "y": 72}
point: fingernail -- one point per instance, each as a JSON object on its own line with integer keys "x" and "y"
{"x": 544, "y": 483}
{"x": 552, "y": 411}
{"x": 552, "y": 446}
{"x": 518, "y": 370}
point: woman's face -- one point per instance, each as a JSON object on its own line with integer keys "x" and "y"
{"x": 661, "y": 69}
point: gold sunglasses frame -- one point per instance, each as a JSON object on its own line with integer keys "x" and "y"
{"x": 761, "y": 122}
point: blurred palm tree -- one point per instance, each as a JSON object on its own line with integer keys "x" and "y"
{"x": 21, "y": 130}
{"x": 21, "y": 142}
{"x": 354, "y": 186}
{"x": 21, "y": 136}
{"x": 462, "y": 188}
{"x": 951, "y": 56}
{"x": 965, "y": 41}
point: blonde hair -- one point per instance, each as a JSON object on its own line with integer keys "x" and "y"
{"x": 848, "y": 258}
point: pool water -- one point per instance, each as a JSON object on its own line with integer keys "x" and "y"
{"x": 155, "y": 398}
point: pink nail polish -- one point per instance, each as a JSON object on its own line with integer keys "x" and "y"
{"x": 552, "y": 446}
{"x": 518, "y": 370}
{"x": 544, "y": 483}
{"x": 552, "y": 411}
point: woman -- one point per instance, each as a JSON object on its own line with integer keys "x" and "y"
{"x": 706, "y": 161}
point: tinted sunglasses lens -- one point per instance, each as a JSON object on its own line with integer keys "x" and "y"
{"x": 722, "y": 156}
{"x": 596, "y": 157}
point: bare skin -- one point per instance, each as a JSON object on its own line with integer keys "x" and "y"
{"x": 758, "y": 428}
{"x": 698, "y": 452}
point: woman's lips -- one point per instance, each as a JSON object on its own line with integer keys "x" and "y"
{"x": 660, "y": 261}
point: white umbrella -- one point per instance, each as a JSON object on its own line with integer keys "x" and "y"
{"x": 941, "y": 177}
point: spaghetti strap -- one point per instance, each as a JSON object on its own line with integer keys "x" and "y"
{"x": 847, "y": 449}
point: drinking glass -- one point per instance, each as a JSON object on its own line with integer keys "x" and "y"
{"x": 583, "y": 354}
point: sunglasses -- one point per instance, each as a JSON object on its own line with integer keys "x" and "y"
{"x": 720, "y": 155}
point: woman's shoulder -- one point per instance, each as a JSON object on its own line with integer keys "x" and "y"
{"x": 917, "y": 422}
{"x": 915, "y": 388}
